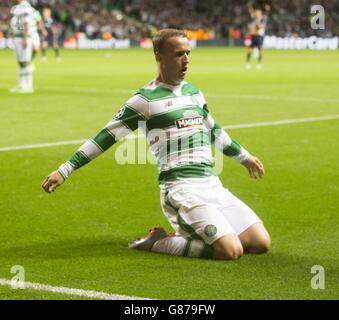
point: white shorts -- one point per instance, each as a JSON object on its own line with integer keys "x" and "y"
{"x": 202, "y": 208}
{"x": 35, "y": 40}
{"x": 23, "y": 54}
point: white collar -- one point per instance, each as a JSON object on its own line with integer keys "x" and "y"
{"x": 169, "y": 86}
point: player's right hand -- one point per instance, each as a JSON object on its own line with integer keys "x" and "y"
{"x": 255, "y": 167}
{"x": 52, "y": 181}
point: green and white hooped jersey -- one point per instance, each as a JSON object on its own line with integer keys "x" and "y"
{"x": 35, "y": 19}
{"x": 178, "y": 127}
{"x": 22, "y": 13}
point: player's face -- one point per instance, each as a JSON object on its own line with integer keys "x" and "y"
{"x": 173, "y": 60}
{"x": 46, "y": 13}
{"x": 258, "y": 14}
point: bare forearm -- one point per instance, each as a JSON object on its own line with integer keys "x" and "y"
{"x": 26, "y": 30}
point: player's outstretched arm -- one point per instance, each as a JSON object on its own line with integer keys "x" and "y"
{"x": 52, "y": 181}
{"x": 123, "y": 123}
{"x": 250, "y": 8}
{"x": 255, "y": 167}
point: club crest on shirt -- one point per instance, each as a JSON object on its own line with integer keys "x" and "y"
{"x": 190, "y": 119}
{"x": 120, "y": 113}
{"x": 210, "y": 230}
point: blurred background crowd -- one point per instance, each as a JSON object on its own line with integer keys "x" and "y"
{"x": 213, "y": 19}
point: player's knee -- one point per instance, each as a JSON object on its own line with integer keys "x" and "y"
{"x": 234, "y": 252}
{"x": 229, "y": 254}
{"x": 265, "y": 244}
{"x": 228, "y": 249}
{"x": 262, "y": 244}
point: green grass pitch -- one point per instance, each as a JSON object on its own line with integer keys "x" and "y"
{"x": 77, "y": 237}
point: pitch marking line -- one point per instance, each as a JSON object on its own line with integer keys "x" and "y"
{"x": 66, "y": 291}
{"x": 281, "y": 122}
{"x": 42, "y": 145}
{"x": 231, "y": 126}
{"x": 92, "y": 90}
{"x": 279, "y": 98}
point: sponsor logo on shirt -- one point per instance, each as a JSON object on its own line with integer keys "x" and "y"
{"x": 190, "y": 119}
{"x": 169, "y": 104}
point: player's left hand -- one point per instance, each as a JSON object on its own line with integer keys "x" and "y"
{"x": 52, "y": 181}
{"x": 255, "y": 167}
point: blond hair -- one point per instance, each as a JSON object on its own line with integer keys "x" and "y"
{"x": 163, "y": 35}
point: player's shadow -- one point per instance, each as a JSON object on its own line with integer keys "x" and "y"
{"x": 275, "y": 260}
{"x": 70, "y": 248}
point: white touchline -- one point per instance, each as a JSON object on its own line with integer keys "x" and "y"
{"x": 42, "y": 145}
{"x": 279, "y": 98}
{"x": 67, "y": 291}
{"x": 280, "y": 122}
{"x": 231, "y": 126}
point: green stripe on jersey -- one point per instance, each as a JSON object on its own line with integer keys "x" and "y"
{"x": 130, "y": 117}
{"x": 78, "y": 159}
{"x": 206, "y": 112}
{"x": 183, "y": 143}
{"x": 189, "y": 89}
{"x": 104, "y": 139}
{"x": 194, "y": 170}
{"x": 215, "y": 132}
{"x": 167, "y": 119}
{"x": 232, "y": 150}
{"x": 158, "y": 93}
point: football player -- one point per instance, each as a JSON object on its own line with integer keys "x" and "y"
{"x": 21, "y": 25}
{"x": 257, "y": 29}
{"x": 52, "y": 34}
{"x": 208, "y": 220}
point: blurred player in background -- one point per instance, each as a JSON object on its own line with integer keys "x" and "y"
{"x": 52, "y": 35}
{"x": 22, "y": 24}
{"x": 37, "y": 27}
{"x": 257, "y": 28}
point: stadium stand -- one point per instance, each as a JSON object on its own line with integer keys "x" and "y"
{"x": 214, "y": 19}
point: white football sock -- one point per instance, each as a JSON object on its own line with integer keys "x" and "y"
{"x": 179, "y": 246}
{"x": 29, "y": 77}
{"x": 22, "y": 77}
